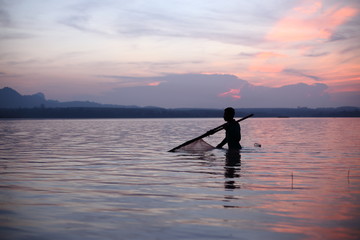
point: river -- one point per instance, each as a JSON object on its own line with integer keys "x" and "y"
{"x": 114, "y": 179}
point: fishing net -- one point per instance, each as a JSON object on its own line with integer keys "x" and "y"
{"x": 198, "y": 146}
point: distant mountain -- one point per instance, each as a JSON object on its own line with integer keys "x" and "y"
{"x": 9, "y": 98}
{"x": 15, "y": 105}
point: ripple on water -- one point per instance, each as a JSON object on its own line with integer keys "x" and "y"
{"x": 101, "y": 179}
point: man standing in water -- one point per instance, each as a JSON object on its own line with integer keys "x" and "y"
{"x": 232, "y": 128}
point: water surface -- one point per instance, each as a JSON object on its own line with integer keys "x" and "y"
{"x": 114, "y": 179}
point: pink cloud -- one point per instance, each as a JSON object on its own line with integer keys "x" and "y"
{"x": 267, "y": 55}
{"x": 154, "y": 84}
{"x": 309, "y": 7}
{"x": 310, "y": 21}
{"x": 267, "y": 62}
{"x": 233, "y": 93}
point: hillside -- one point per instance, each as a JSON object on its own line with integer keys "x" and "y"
{"x": 9, "y": 98}
{"x": 15, "y": 105}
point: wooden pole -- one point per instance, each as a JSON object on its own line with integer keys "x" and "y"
{"x": 208, "y": 133}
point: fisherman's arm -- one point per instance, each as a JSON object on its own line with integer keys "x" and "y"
{"x": 223, "y": 142}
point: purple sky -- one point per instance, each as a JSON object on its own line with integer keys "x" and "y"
{"x": 197, "y": 53}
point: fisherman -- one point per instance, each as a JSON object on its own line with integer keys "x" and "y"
{"x": 233, "y": 131}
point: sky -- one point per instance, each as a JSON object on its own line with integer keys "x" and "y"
{"x": 184, "y": 53}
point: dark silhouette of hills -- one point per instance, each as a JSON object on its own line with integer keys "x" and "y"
{"x": 9, "y": 98}
{"x": 15, "y": 105}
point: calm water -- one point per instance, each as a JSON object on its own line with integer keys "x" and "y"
{"x": 114, "y": 179}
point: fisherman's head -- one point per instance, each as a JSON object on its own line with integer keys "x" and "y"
{"x": 229, "y": 114}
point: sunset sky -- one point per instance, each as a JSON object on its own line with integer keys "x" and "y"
{"x": 184, "y": 53}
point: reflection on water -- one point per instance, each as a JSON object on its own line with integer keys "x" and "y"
{"x": 232, "y": 168}
{"x": 114, "y": 179}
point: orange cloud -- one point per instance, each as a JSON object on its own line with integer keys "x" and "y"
{"x": 233, "y": 93}
{"x": 310, "y": 22}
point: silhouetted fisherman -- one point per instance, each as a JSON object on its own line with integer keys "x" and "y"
{"x": 233, "y": 131}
